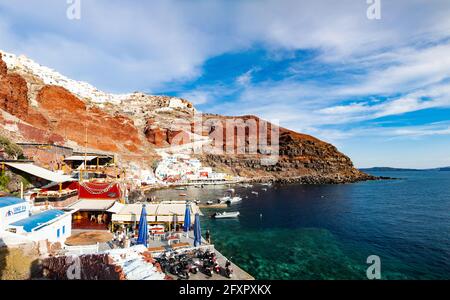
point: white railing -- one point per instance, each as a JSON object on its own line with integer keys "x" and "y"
{"x": 80, "y": 250}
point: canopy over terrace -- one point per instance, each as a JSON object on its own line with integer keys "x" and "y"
{"x": 40, "y": 172}
{"x": 162, "y": 212}
{"x": 92, "y": 214}
{"x": 90, "y": 160}
{"x": 93, "y": 205}
{"x": 80, "y": 158}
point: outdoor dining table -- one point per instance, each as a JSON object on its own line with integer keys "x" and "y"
{"x": 173, "y": 239}
{"x": 180, "y": 245}
{"x": 158, "y": 235}
{"x": 156, "y": 249}
{"x": 177, "y": 234}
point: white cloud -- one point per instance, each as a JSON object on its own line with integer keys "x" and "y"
{"x": 435, "y": 96}
{"x": 401, "y": 70}
{"x": 420, "y": 75}
{"x": 140, "y": 45}
{"x": 382, "y": 134}
{"x": 245, "y": 78}
{"x": 119, "y": 46}
{"x": 123, "y": 46}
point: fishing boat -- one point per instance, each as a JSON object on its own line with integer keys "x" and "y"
{"x": 226, "y": 215}
{"x": 183, "y": 195}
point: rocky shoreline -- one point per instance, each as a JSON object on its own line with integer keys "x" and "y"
{"x": 318, "y": 180}
{"x": 139, "y": 195}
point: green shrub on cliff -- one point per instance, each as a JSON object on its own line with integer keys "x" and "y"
{"x": 4, "y": 181}
{"x": 10, "y": 148}
{"x": 26, "y": 181}
{"x": 155, "y": 164}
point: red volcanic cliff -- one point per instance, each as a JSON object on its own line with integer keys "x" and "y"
{"x": 60, "y": 116}
{"x": 72, "y": 118}
{"x": 13, "y": 92}
{"x": 301, "y": 158}
{"x": 32, "y": 111}
{"x": 163, "y": 137}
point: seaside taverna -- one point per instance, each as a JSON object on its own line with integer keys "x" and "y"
{"x": 80, "y": 207}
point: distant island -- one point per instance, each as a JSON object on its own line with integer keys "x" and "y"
{"x": 389, "y": 169}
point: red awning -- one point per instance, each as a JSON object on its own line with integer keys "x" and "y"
{"x": 100, "y": 190}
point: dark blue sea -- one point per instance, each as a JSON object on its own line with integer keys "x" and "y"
{"x": 329, "y": 231}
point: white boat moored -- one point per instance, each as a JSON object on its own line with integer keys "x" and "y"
{"x": 226, "y": 215}
{"x": 234, "y": 200}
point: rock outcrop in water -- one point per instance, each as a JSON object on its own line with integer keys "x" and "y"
{"x": 39, "y": 105}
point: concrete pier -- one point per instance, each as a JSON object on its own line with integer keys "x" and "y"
{"x": 238, "y": 273}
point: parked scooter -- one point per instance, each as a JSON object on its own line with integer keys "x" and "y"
{"x": 174, "y": 269}
{"x": 190, "y": 266}
{"x": 217, "y": 267}
{"x": 208, "y": 268}
{"x": 184, "y": 272}
{"x": 228, "y": 270}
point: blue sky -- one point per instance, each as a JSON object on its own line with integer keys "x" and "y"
{"x": 377, "y": 89}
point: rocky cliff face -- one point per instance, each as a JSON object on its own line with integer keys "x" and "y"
{"x": 13, "y": 92}
{"x": 40, "y": 105}
{"x": 302, "y": 158}
{"x": 33, "y": 111}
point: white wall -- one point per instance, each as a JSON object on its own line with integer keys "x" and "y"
{"x": 50, "y": 232}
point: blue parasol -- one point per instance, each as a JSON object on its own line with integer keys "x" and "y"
{"x": 143, "y": 230}
{"x": 187, "y": 218}
{"x": 197, "y": 231}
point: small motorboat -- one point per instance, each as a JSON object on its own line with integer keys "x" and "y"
{"x": 264, "y": 189}
{"x": 209, "y": 202}
{"x": 183, "y": 195}
{"x": 230, "y": 197}
{"x": 246, "y": 185}
{"x": 226, "y": 215}
{"x": 181, "y": 188}
{"x": 255, "y": 193}
{"x": 224, "y": 199}
{"x": 234, "y": 200}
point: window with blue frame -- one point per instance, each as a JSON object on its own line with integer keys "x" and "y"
{"x": 64, "y": 230}
{"x": 58, "y": 233}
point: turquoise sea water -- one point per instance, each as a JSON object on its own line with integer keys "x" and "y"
{"x": 328, "y": 231}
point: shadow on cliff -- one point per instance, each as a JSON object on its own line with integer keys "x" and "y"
{"x": 36, "y": 270}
